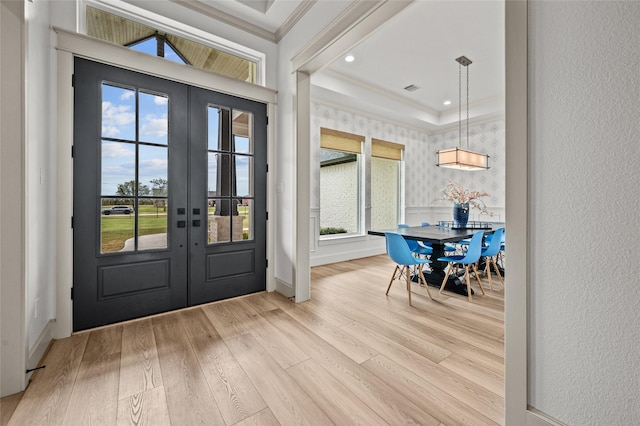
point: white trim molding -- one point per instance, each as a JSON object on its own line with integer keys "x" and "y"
{"x": 39, "y": 348}
{"x": 113, "y": 54}
{"x": 517, "y": 207}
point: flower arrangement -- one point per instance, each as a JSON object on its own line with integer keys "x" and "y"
{"x": 456, "y": 193}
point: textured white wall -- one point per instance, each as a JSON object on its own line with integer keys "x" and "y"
{"x": 584, "y": 106}
{"x": 339, "y": 196}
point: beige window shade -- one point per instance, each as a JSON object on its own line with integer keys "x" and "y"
{"x": 384, "y": 149}
{"x": 340, "y": 141}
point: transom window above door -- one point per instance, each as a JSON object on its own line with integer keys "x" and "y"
{"x": 125, "y": 32}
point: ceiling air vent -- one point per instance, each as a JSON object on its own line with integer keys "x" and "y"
{"x": 411, "y": 88}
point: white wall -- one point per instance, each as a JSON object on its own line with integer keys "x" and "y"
{"x": 584, "y": 296}
{"x": 13, "y": 344}
{"x": 40, "y": 173}
{"x": 321, "y": 14}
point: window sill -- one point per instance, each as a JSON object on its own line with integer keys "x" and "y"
{"x": 342, "y": 239}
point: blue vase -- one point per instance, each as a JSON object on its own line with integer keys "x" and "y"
{"x": 460, "y": 215}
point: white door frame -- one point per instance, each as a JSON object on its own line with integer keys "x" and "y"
{"x": 72, "y": 44}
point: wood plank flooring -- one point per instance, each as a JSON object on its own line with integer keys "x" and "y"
{"x": 350, "y": 355}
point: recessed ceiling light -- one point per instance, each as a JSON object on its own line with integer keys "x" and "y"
{"x": 447, "y": 102}
{"x": 349, "y": 58}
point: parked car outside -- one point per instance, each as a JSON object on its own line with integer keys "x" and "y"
{"x": 118, "y": 210}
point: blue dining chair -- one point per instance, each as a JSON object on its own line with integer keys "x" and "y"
{"x": 417, "y": 248}
{"x": 490, "y": 253}
{"x": 468, "y": 259}
{"x": 399, "y": 252}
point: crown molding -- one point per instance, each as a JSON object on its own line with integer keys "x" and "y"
{"x": 274, "y": 37}
{"x": 226, "y": 18}
{"x": 375, "y": 89}
{"x": 372, "y": 115}
{"x": 293, "y": 19}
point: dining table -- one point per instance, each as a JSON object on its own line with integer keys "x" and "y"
{"x": 439, "y": 236}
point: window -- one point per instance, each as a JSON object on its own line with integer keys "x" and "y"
{"x": 386, "y": 159}
{"x": 230, "y": 175}
{"x": 134, "y": 169}
{"x": 340, "y": 187}
{"x": 125, "y": 32}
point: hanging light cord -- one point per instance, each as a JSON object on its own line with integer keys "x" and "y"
{"x": 459, "y": 104}
{"x": 467, "y": 106}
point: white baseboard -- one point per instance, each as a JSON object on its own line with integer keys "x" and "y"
{"x": 536, "y": 417}
{"x": 285, "y": 288}
{"x": 346, "y": 255}
{"x": 36, "y": 352}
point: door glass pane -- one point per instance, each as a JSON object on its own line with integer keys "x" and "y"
{"x": 153, "y": 170}
{"x": 219, "y": 221}
{"x": 118, "y": 112}
{"x": 152, "y": 223}
{"x": 117, "y": 225}
{"x": 244, "y": 171}
{"x": 154, "y": 119}
{"x": 118, "y": 168}
{"x": 243, "y": 132}
{"x": 243, "y": 223}
{"x": 213, "y": 128}
{"x": 218, "y": 174}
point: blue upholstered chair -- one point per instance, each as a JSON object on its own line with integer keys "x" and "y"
{"x": 490, "y": 253}
{"x": 468, "y": 259}
{"x": 399, "y": 252}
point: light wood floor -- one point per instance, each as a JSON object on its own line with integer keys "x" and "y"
{"x": 351, "y": 355}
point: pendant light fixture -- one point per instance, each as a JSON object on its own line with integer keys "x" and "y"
{"x": 459, "y": 158}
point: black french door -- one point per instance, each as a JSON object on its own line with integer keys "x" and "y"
{"x": 169, "y": 195}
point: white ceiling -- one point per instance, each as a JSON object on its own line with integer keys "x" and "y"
{"x": 418, "y": 46}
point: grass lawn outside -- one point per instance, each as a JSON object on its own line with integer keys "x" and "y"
{"x": 116, "y": 229}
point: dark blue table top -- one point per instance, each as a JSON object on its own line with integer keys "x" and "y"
{"x": 436, "y": 234}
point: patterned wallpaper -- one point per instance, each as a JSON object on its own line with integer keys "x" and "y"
{"x": 483, "y": 137}
{"x": 423, "y": 179}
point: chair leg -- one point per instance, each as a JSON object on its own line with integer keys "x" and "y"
{"x": 495, "y": 265}
{"x": 409, "y": 285}
{"x": 426, "y": 286}
{"x": 446, "y": 275}
{"x": 487, "y": 270}
{"x": 466, "y": 276}
{"x": 475, "y": 270}
{"x": 393, "y": 277}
